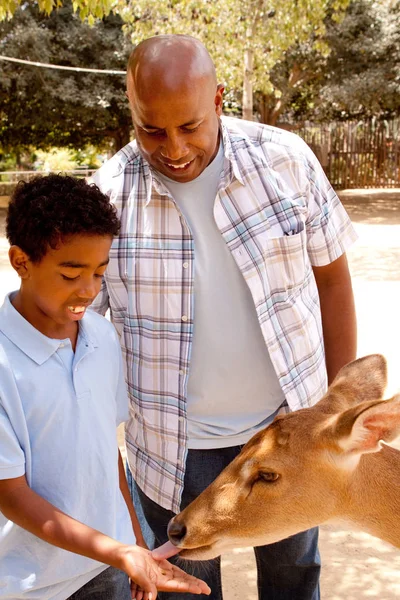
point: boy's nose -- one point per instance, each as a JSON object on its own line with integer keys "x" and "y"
{"x": 88, "y": 292}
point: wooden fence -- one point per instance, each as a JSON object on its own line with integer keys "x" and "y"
{"x": 363, "y": 154}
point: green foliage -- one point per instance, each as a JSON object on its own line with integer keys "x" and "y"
{"x": 317, "y": 59}
{"x": 90, "y": 9}
{"x": 362, "y": 77}
{"x": 359, "y": 77}
{"x": 89, "y": 157}
{"x": 56, "y": 160}
{"x": 67, "y": 159}
{"x": 42, "y": 108}
{"x": 269, "y": 29}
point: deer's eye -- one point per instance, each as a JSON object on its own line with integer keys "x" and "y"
{"x": 268, "y": 477}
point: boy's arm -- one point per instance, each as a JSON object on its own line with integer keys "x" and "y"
{"x": 123, "y": 486}
{"x": 20, "y": 504}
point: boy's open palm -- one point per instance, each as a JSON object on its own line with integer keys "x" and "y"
{"x": 149, "y": 575}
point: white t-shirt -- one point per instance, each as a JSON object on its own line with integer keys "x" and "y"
{"x": 233, "y": 390}
{"x": 58, "y": 416}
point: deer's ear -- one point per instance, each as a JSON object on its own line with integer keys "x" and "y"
{"x": 361, "y": 428}
{"x": 362, "y": 380}
{"x": 367, "y": 376}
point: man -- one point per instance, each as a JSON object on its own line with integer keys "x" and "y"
{"x": 228, "y": 285}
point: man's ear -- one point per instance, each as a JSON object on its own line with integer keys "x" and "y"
{"x": 19, "y": 261}
{"x": 219, "y": 99}
{"x": 360, "y": 429}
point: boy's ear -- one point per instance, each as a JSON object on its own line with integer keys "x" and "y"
{"x": 19, "y": 261}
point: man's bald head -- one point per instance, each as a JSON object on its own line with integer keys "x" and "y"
{"x": 176, "y": 104}
{"x": 170, "y": 61}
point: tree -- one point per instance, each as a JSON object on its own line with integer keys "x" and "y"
{"x": 362, "y": 76}
{"x": 358, "y": 78}
{"x": 246, "y": 38}
{"x": 46, "y": 107}
{"x": 90, "y": 9}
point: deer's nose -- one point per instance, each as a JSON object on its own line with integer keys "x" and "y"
{"x": 176, "y": 531}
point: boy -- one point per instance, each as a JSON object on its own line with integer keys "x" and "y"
{"x": 65, "y": 511}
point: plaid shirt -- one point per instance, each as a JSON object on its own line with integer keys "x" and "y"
{"x": 279, "y": 217}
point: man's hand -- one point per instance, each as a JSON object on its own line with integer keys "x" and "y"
{"x": 149, "y": 575}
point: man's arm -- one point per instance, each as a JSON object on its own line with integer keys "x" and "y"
{"x": 338, "y": 314}
{"x": 20, "y": 504}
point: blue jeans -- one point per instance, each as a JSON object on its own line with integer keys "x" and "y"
{"x": 287, "y": 570}
{"x": 111, "y": 584}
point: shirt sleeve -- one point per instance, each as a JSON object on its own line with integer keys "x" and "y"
{"x": 12, "y": 458}
{"x": 121, "y": 396}
{"x": 329, "y": 230}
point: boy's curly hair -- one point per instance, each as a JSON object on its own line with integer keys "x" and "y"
{"x": 46, "y": 210}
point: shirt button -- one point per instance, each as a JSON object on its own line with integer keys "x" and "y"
{"x": 76, "y": 368}
{"x": 184, "y": 318}
{"x": 185, "y": 265}
{"x": 181, "y": 419}
{"x": 181, "y": 372}
{"x": 61, "y": 345}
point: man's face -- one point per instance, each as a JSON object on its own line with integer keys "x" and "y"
{"x": 177, "y": 132}
{"x": 58, "y": 289}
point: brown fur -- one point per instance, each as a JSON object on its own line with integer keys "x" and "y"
{"x": 329, "y": 461}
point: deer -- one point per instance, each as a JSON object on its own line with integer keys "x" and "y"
{"x": 328, "y": 462}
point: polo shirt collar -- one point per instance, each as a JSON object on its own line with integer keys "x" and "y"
{"x": 27, "y": 338}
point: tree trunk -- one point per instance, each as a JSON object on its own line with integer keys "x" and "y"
{"x": 271, "y": 109}
{"x": 248, "y": 85}
{"x": 121, "y": 138}
{"x": 276, "y": 112}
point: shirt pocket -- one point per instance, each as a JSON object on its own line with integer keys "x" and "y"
{"x": 286, "y": 263}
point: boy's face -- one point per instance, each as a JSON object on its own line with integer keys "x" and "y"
{"x": 56, "y": 291}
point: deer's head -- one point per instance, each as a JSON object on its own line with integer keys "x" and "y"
{"x": 296, "y": 473}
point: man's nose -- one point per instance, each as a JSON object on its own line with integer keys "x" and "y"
{"x": 175, "y": 148}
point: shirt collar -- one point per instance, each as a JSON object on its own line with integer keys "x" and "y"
{"x": 27, "y": 338}
{"x": 230, "y": 153}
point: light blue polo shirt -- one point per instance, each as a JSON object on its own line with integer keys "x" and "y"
{"x": 58, "y": 416}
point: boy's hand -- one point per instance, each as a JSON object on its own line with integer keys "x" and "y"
{"x": 149, "y": 575}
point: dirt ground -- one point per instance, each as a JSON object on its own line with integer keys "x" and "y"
{"x": 356, "y": 566}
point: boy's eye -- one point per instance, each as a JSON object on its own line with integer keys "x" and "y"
{"x": 69, "y": 278}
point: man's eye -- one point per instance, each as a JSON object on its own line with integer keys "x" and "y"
{"x": 154, "y": 133}
{"x": 69, "y": 278}
{"x": 191, "y": 130}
